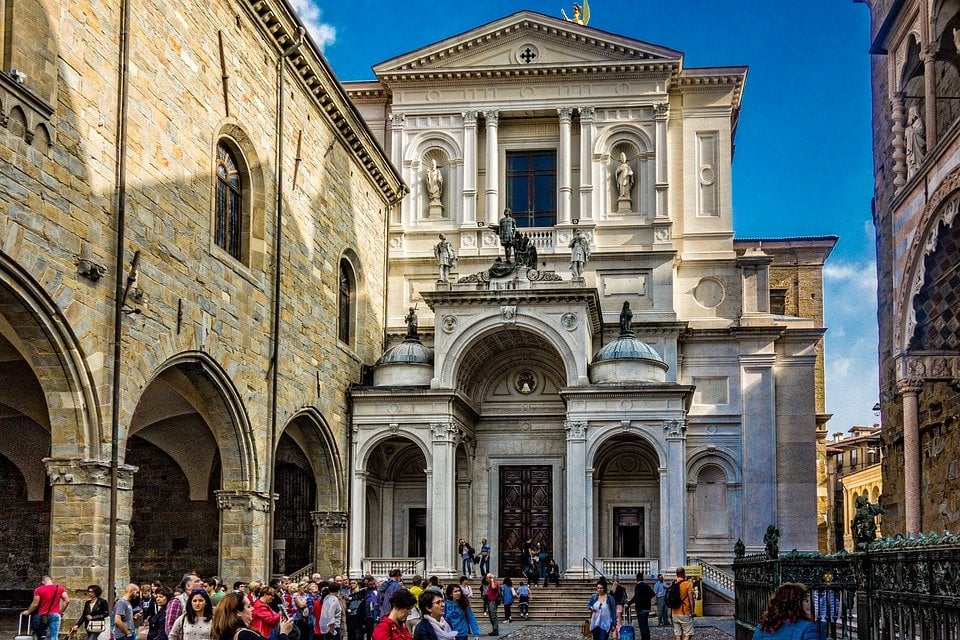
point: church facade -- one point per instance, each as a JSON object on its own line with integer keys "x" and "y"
{"x": 600, "y": 368}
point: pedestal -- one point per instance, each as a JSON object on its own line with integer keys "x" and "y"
{"x": 624, "y": 205}
{"x": 435, "y": 211}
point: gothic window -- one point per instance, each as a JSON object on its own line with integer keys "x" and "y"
{"x": 228, "y": 215}
{"x": 532, "y": 187}
{"x": 345, "y": 304}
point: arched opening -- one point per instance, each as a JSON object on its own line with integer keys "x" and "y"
{"x": 346, "y": 301}
{"x": 230, "y": 225}
{"x": 296, "y": 488}
{"x": 709, "y": 508}
{"x": 937, "y": 304}
{"x": 626, "y": 495}
{"x": 396, "y": 500}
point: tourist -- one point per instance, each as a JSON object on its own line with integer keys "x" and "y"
{"x": 95, "y": 613}
{"x": 603, "y": 612}
{"x": 123, "y": 626}
{"x": 330, "y": 614}
{"x": 466, "y": 589}
{"x": 50, "y": 600}
{"x": 385, "y": 593}
{"x": 523, "y": 595}
{"x": 233, "y": 619}
{"x": 484, "y": 567}
{"x": 543, "y": 554}
{"x": 391, "y": 626}
{"x": 682, "y": 613}
{"x": 458, "y": 613}
{"x": 663, "y": 613}
{"x": 415, "y": 588}
{"x": 265, "y": 616}
{"x": 553, "y": 574}
{"x": 178, "y": 605}
{"x": 433, "y": 626}
{"x": 156, "y": 629}
{"x": 196, "y": 622}
{"x": 643, "y": 595}
{"x": 508, "y": 595}
{"x": 786, "y": 617}
{"x": 466, "y": 557}
{"x": 490, "y": 590}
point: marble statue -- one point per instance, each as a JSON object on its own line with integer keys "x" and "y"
{"x": 446, "y": 258}
{"x": 412, "y": 325}
{"x": 624, "y": 184}
{"x": 626, "y": 319}
{"x": 434, "y": 183}
{"x": 864, "y": 523}
{"x": 579, "y": 254}
{"x": 507, "y": 230}
{"x": 581, "y": 15}
{"x": 915, "y": 141}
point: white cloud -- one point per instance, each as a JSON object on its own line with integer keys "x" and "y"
{"x": 323, "y": 34}
{"x": 861, "y": 275}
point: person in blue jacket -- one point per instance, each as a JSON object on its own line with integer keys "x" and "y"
{"x": 786, "y": 617}
{"x": 603, "y": 611}
{"x": 458, "y": 613}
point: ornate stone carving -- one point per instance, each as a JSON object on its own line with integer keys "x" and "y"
{"x": 398, "y": 120}
{"x": 243, "y": 500}
{"x": 929, "y": 367}
{"x": 576, "y": 430}
{"x": 909, "y": 385}
{"x": 445, "y": 432}
{"x": 508, "y": 313}
{"x": 661, "y": 234}
{"x": 492, "y": 117}
{"x": 662, "y": 111}
{"x": 675, "y": 428}
{"x": 449, "y": 323}
{"x": 63, "y": 471}
{"x": 569, "y": 321}
{"x": 329, "y": 519}
{"x": 469, "y": 118}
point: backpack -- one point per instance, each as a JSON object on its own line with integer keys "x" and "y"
{"x": 383, "y": 598}
{"x": 357, "y": 606}
{"x": 673, "y": 599}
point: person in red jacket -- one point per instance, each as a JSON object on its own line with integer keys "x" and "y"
{"x": 264, "y": 616}
{"x": 392, "y": 625}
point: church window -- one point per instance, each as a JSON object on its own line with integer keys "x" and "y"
{"x": 532, "y": 187}
{"x": 228, "y": 218}
{"x": 345, "y": 302}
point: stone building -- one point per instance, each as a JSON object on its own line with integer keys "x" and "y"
{"x": 165, "y": 144}
{"x": 916, "y": 80}
{"x": 853, "y": 469}
{"x": 621, "y": 412}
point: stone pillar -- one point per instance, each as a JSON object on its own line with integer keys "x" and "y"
{"x": 358, "y": 521}
{"x": 397, "y": 123}
{"x": 899, "y": 145}
{"x": 909, "y": 392}
{"x": 928, "y": 55}
{"x": 759, "y": 432}
{"x": 469, "y": 168}
{"x": 385, "y": 522}
{"x": 80, "y": 522}
{"x": 586, "y": 163}
{"x": 329, "y": 541}
{"x": 673, "y": 546}
{"x": 661, "y": 180}
{"x": 244, "y": 523}
{"x": 493, "y": 168}
{"x": 564, "y": 165}
{"x": 441, "y": 487}
{"x": 578, "y": 517}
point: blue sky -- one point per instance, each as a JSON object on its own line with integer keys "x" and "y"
{"x": 803, "y": 163}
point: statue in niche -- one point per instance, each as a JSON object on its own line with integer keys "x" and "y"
{"x": 579, "y": 254}
{"x": 864, "y": 523}
{"x": 624, "y": 177}
{"x": 446, "y": 258}
{"x": 915, "y": 141}
{"x": 626, "y": 319}
{"x": 412, "y": 324}
{"x": 434, "y": 183}
{"x": 507, "y": 230}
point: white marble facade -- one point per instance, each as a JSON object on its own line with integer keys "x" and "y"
{"x": 664, "y": 471}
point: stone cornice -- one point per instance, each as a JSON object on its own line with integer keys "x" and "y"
{"x": 724, "y": 79}
{"x": 627, "y": 391}
{"x": 279, "y": 24}
{"x": 614, "y": 70}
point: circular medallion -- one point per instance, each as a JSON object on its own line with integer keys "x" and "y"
{"x": 450, "y": 323}
{"x": 526, "y": 382}
{"x": 527, "y": 53}
{"x": 532, "y": 274}
{"x": 707, "y": 175}
{"x": 709, "y": 293}
{"x": 569, "y": 321}
{"x": 469, "y": 241}
{"x": 433, "y": 95}
{"x": 525, "y": 426}
{"x": 526, "y": 92}
{"x": 711, "y": 429}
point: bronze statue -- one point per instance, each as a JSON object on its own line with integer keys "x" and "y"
{"x": 771, "y": 539}
{"x": 739, "y": 549}
{"x": 507, "y": 230}
{"x": 411, "y": 320}
{"x": 626, "y": 319}
{"x": 526, "y": 251}
{"x": 864, "y": 523}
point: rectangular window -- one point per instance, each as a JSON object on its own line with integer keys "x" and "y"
{"x": 532, "y": 187}
{"x": 854, "y": 458}
{"x": 839, "y": 461}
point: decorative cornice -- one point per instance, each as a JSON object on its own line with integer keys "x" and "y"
{"x": 628, "y": 70}
{"x": 909, "y": 386}
{"x": 928, "y": 366}
{"x": 72, "y": 471}
{"x": 243, "y": 500}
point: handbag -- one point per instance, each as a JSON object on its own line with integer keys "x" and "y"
{"x": 96, "y": 626}
{"x": 585, "y": 629}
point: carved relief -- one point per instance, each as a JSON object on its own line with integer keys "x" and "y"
{"x": 675, "y": 428}
{"x": 576, "y": 430}
{"x": 930, "y": 367}
{"x": 569, "y": 321}
{"x": 72, "y": 471}
{"x": 449, "y": 323}
{"x": 329, "y": 519}
{"x": 242, "y": 501}
{"x": 508, "y": 313}
{"x": 445, "y": 432}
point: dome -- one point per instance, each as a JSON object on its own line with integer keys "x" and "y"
{"x": 408, "y": 364}
{"x": 627, "y": 360}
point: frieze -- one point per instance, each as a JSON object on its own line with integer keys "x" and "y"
{"x": 929, "y": 367}
{"x": 65, "y": 471}
{"x": 330, "y": 519}
{"x": 243, "y": 500}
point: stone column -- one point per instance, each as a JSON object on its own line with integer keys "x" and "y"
{"x": 493, "y": 167}
{"x": 80, "y": 521}
{"x": 586, "y": 163}
{"x": 909, "y": 392}
{"x": 469, "y": 167}
{"x": 384, "y": 524}
{"x": 673, "y": 549}
{"x": 578, "y": 518}
{"x": 357, "y": 522}
{"x": 759, "y": 432}
{"x": 899, "y": 145}
{"x": 397, "y": 123}
{"x": 564, "y": 163}
{"x": 441, "y": 488}
{"x": 244, "y": 523}
{"x": 928, "y": 55}
{"x": 329, "y": 541}
{"x": 660, "y": 174}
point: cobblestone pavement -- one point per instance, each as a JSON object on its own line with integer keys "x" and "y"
{"x": 705, "y": 629}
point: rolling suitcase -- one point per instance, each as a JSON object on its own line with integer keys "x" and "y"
{"x": 626, "y": 631}
{"x": 23, "y": 629}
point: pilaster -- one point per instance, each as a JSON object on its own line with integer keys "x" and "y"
{"x": 578, "y": 517}
{"x": 358, "y": 521}
{"x": 329, "y": 541}
{"x": 909, "y": 390}
{"x": 469, "y": 168}
{"x": 564, "y": 165}
{"x": 673, "y": 527}
{"x": 661, "y": 181}
{"x": 441, "y": 487}
{"x": 244, "y": 522}
{"x": 492, "y": 192}
{"x": 758, "y": 391}
{"x": 586, "y": 163}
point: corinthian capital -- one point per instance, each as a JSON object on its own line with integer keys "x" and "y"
{"x": 575, "y": 430}
{"x": 445, "y": 432}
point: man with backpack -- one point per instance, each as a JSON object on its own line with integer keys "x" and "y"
{"x": 680, "y": 601}
{"x": 386, "y": 590}
{"x": 358, "y": 614}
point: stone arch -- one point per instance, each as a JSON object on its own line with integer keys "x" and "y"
{"x": 41, "y": 333}
{"x": 940, "y": 213}
{"x": 310, "y": 430}
{"x": 599, "y": 436}
{"x": 365, "y": 448}
{"x": 420, "y": 144}
{"x": 449, "y": 360}
{"x": 17, "y": 122}
{"x": 620, "y": 133}
{"x": 717, "y": 457}
{"x": 349, "y": 291}
{"x": 207, "y": 387}
{"x": 397, "y": 495}
{"x": 253, "y": 225}
{"x": 912, "y": 66}
{"x": 43, "y": 137}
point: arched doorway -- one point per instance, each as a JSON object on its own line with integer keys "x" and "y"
{"x": 296, "y": 489}
{"x": 626, "y": 498}
{"x": 396, "y": 500}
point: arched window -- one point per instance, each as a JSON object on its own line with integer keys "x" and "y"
{"x": 228, "y": 219}
{"x": 345, "y": 304}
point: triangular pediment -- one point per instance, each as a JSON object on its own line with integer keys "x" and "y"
{"x": 529, "y": 39}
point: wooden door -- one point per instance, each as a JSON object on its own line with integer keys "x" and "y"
{"x": 526, "y": 512}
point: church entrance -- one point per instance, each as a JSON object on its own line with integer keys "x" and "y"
{"x": 526, "y": 513}
{"x": 628, "y": 536}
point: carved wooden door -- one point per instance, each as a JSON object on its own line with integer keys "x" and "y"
{"x": 526, "y": 513}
